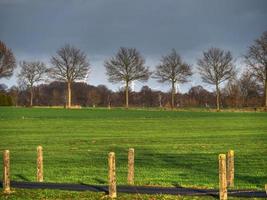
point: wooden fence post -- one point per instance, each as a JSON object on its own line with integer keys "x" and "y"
{"x": 131, "y": 166}
{"x": 40, "y": 176}
{"x": 222, "y": 177}
{"x": 112, "y": 175}
{"x": 6, "y": 172}
{"x": 230, "y": 168}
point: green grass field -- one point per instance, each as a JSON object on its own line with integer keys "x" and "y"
{"x": 172, "y": 148}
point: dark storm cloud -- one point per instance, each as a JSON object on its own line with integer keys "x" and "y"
{"x": 35, "y": 29}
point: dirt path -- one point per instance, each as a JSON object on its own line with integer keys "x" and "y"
{"x": 138, "y": 189}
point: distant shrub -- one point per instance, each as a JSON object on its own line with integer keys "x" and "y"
{"x": 5, "y": 100}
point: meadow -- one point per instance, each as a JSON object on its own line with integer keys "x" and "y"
{"x": 172, "y": 148}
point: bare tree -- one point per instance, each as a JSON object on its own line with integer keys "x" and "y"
{"x": 215, "y": 67}
{"x": 7, "y": 61}
{"x": 172, "y": 69}
{"x": 249, "y": 87}
{"x": 256, "y": 59}
{"x": 69, "y": 65}
{"x": 94, "y": 97}
{"x": 14, "y": 93}
{"x": 31, "y": 73}
{"x": 231, "y": 93}
{"x": 128, "y": 65}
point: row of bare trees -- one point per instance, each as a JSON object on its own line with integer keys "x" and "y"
{"x": 70, "y": 64}
{"x": 215, "y": 67}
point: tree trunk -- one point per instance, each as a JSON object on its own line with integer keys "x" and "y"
{"x": 160, "y": 105}
{"x": 31, "y": 96}
{"x": 173, "y": 94}
{"x": 265, "y": 88}
{"x": 69, "y": 94}
{"x": 218, "y": 97}
{"x": 127, "y": 94}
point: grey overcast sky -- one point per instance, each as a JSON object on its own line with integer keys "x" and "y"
{"x": 35, "y": 29}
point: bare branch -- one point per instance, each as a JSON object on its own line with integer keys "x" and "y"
{"x": 7, "y": 61}
{"x": 32, "y": 72}
{"x": 70, "y": 64}
{"x": 216, "y": 66}
{"x": 172, "y": 69}
{"x": 128, "y": 65}
{"x": 256, "y": 59}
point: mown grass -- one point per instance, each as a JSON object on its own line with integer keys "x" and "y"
{"x": 172, "y": 148}
{"x": 20, "y": 194}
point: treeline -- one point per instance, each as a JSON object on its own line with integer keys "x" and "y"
{"x": 54, "y": 94}
{"x": 70, "y": 65}
{"x": 6, "y": 99}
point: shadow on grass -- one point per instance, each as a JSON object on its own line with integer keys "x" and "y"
{"x": 100, "y": 181}
{"x": 208, "y": 193}
{"x": 97, "y": 188}
{"x": 201, "y": 167}
{"x": 253, "y": 180}
{"x": 195, "y": 163}
{"x": 22, "y": 177}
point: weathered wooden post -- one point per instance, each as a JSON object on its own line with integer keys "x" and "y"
{"x": 6, "y": 172}
{"x": 112, "y": 175}
{"x": 131, "y": 166}
{"x": 230, "y": 168}
{"x": 40, "y": 176}
{"x": 222, "y": 177}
